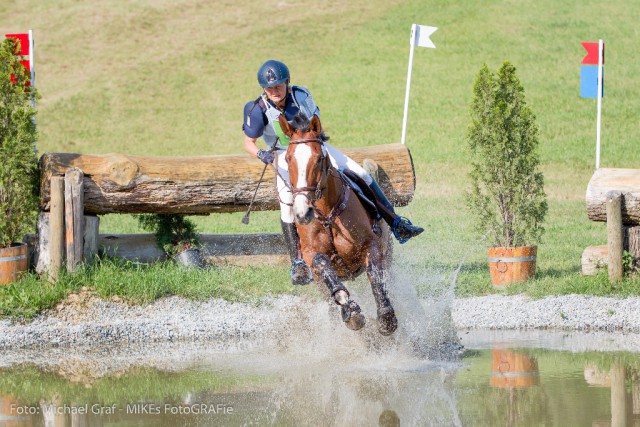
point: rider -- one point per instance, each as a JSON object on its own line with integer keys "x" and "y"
{"x": 261, "y": 119}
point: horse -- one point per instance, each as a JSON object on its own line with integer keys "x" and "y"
{"x": 339, "y": 237}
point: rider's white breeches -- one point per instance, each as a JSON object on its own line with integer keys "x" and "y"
{"x": 338, "y": 161}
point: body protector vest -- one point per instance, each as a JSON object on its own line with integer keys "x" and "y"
{"x": 301, "y": 101}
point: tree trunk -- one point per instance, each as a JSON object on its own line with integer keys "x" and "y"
{"x": 116, "y": 183}
{"x": 627, "y": 181}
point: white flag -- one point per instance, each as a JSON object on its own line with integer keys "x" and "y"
{"x": 420, "y": 35}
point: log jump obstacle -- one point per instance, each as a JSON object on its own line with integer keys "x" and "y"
{"x": 613, "y": 195}
{"x": 76, "y": 188}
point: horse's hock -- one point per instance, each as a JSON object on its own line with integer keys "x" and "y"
{"x": 613, "y": 196}
{"x": 117, "y": 183}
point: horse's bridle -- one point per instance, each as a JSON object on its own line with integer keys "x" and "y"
{"x": 318, "y": 190}
{"x": 325, "y": 219}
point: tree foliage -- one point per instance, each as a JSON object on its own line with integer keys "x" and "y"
{"x": 174, "y": 232}
{"x": 507, "y": 194}
{"x": 18, "y": 160}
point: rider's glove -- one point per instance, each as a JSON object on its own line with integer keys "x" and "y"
{"x": 266, "y": 156}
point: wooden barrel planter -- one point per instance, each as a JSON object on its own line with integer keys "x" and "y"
{"x": 513, "y": 369}
{"x": 511, "y": 265}
{"x": 13, "y": 262}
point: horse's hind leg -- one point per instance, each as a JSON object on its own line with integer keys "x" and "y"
{"x": 351, "y": 315}
{"x": 377, "y": 277}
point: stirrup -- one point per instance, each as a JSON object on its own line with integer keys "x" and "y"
{"x": 396, "y": 223}
{"x": 309, "y": 277}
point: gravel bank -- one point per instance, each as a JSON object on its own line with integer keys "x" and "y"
{"x": 569, "y": 312}
{"x": 86, "y": 320}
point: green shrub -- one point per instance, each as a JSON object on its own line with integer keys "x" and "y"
{"x": 507, "y": 194}
{"x": 18, "y": 165}
{"x": 174, "y": 232}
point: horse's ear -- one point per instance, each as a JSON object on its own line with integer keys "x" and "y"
{"x": 315, "y": 126}
{"x": 285, "y": 126}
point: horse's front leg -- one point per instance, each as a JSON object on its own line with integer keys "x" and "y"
{"x": 387, "y": 322}
{"x": 351, "y": 315}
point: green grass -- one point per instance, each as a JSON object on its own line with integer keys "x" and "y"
{"x": 171, "y": 78}
{"x": 141, "y": 283}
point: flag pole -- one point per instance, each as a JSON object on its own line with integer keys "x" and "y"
{"x": 599, "y": 118}
{"x": 33, "y": 84}
{"x": 406, "y": 96}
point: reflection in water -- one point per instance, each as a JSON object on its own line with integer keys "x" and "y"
{"x": 622, "y": 380}
{"x": 513, "y": 369}
{"x": 488, "y": 387}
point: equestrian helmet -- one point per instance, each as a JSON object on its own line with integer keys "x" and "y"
{"x": 273, "y": 73}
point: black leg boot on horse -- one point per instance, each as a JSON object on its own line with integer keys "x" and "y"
{"x": 351, "y": 312}
{"x": 387, "y": 321}
{"x": 300, "y": 272}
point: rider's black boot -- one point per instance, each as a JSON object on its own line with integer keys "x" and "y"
{"x": 300, "y": 272}
{"x": 401, "y": 227}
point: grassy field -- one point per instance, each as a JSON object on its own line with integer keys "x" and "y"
{"x": 171, "y": 77}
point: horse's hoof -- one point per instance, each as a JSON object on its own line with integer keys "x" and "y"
{"x": 352, "y": 317}
{"x": 300, "y": 273}
{"x": 388, "y": 323}
{"x": 356, "y": 322}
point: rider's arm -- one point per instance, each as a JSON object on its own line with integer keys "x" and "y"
{"x": 252, "y": 127}
{"x": 250, "y": 146}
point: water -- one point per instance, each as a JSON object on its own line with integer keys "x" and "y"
{"x": 510, "y": 379}
{"x": 311, "y": 370}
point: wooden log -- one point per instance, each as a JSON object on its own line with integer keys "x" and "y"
{"x": 614, "y": 234}
{"x": 143, "y": 247}
{"x": 73, "y": 216}
{"x": 632, "y": 241}
{"x": 627, "y": 181}
{"x": 56, "y": 222}
{"x": 91, "y": 230}
{"x": 116, "y": 183}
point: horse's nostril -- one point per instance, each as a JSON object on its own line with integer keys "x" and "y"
{"x": 305, "y": 218}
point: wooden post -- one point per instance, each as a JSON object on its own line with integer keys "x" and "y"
{"x": 56, "y": 226}
{"x": 42, "y": 254}
{"x": 632, "y": 244}
{"x": 74, "y": 216}
{"x": 614, "y": 234}
{"x": 91, "y": 230}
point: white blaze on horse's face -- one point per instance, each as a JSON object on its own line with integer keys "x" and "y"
{"x": 301, "y": 207}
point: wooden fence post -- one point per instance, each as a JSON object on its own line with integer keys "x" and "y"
{"x": 56, "y": 227}
{"x": 74, "y": 216}
{"x": 614, "y": 234}
{"x": 91, "y": 232}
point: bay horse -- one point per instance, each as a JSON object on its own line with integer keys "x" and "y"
{"x": 339, "y": 237}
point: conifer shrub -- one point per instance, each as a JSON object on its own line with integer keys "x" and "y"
{"x": 18, "y": 159}
{"x": 507, "y": 194}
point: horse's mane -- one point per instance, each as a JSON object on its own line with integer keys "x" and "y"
{"x": 300, "y": 122}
